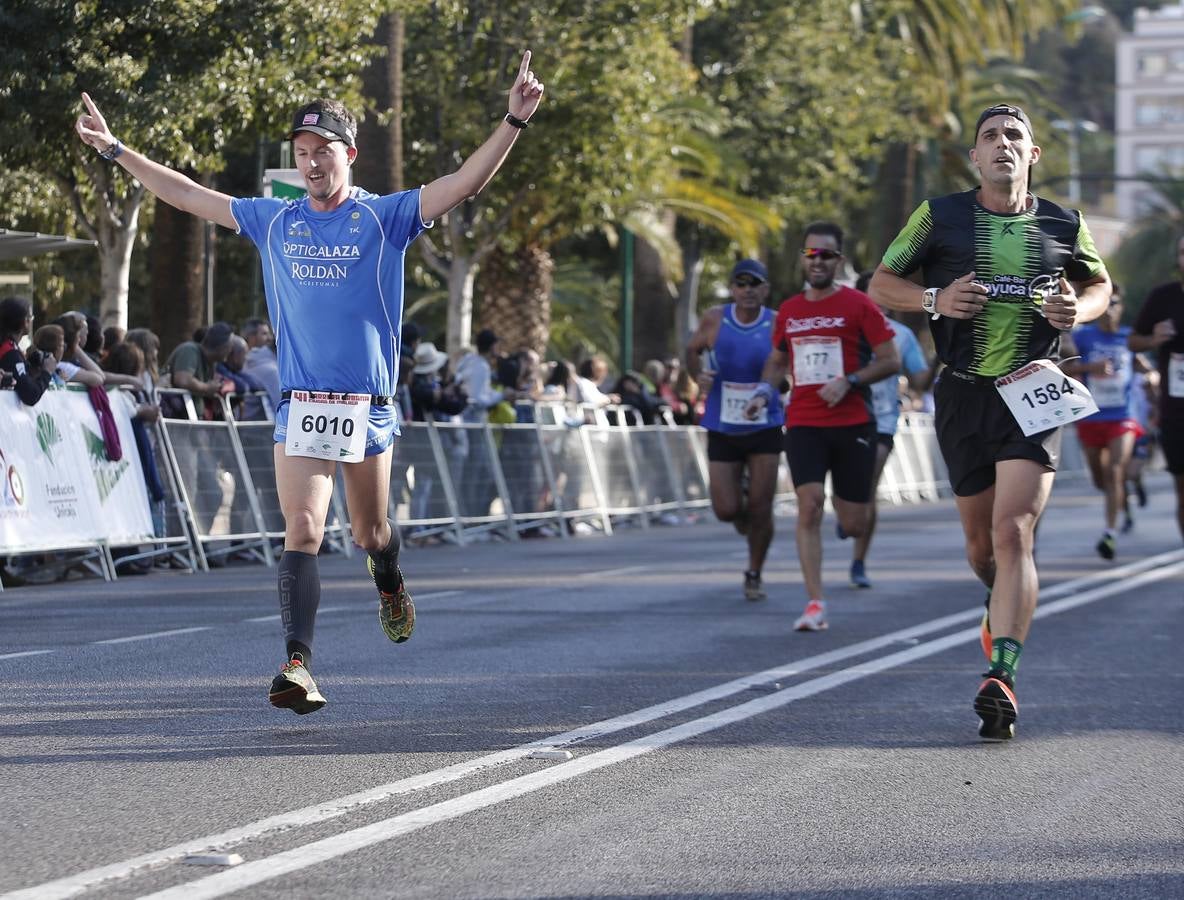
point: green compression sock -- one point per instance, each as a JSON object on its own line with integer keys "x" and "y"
{"x": 1005, "y": 655}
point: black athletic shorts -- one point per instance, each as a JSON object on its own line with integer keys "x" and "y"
{"x": 738, "y": 447}
{"x": 1171, "y": 439}
{"x": 975, "y": 430}
{"x": 848, "y": 452}
{"x": 886, "y": 440}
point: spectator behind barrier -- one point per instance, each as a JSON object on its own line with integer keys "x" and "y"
{"x": 149, "y": 345}
{"x": 191, "y": 367}
{"x": 92, "y": 346}
{"x": 475, "y": 372}
{"x": 262, "y": 365}
{"x": 632, "y": 391}
{"x": 408, "y": 341}
{"x": 434, "y": 393}
{"x": 589, "y": 376}
{"x": 51, "y": 340}
{"x": 232, "y": 371}
{"x": 28, "y": 377}
{"x": 689, "y": 395}
{"x": 112, "y": 336}
{"x": 127, "y": 359}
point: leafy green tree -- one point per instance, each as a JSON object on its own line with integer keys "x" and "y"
{"x": 1147, "y": 255}
{"x": 609, "y": 67}
{"x": 179, "y": 81}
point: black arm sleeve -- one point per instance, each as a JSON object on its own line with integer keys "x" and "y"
{"x": 29, "y": 387}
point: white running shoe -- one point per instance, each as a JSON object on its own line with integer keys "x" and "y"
{"x": 813, "y": 618}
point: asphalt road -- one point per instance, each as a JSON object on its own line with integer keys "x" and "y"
{"x": 715, "y": 753}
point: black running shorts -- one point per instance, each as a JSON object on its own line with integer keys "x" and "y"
{"x": 848, "y": 452}
{"x": 736, "y": 448}
{"x": 975, "y": 430}
{"x": 1171, "y": 439}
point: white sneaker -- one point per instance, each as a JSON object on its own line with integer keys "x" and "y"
{"x": 813, "y": 618}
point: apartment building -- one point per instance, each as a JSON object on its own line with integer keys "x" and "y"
{"x": 1149, "y": 106}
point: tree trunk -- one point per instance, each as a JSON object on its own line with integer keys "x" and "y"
{"x": 653, "y": 312}
{"x": 515, "y": 292}
{"x": 686, "y": 312}
{"x": 395, "y": 34}
{"x": 177, "y": 277}
{"x": 461, "y": 275}
{"x": 114, "y": 227}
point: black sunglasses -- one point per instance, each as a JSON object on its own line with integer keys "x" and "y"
{"x": 819, "y": 253}
{"x": 747, "y": 281}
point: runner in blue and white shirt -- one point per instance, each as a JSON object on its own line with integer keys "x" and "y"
{"x": 886, "y": 409}
{"x": 333, "y": 272}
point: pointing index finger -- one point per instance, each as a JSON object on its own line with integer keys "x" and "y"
{"x": 90, "y": 104}
{"x": 524, "y": 67}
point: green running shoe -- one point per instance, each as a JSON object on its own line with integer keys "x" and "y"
{"x": 294, "y": 688}
{"x": 396, "y": 611}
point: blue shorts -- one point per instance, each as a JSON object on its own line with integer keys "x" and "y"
{"x": 380, "y": 431}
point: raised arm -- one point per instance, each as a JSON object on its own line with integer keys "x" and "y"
{"x": 166, "y": 184}
{"x": 475, "y": 172}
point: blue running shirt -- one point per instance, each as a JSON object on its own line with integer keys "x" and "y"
{"x": 334, "y": 285}
{"x": 740, "y": 352}
{"x": 886, "y": 393}
{"x": 1113, "y": 393}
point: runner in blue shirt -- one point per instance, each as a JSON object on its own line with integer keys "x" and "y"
{"x": 726, "y": 356}
{"x": 333, "y": 271}
{"x": 1098, "y": 351}
{"x": 886, "y": 409}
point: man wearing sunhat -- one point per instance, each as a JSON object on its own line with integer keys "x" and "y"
{"x": 1001, "y": 273}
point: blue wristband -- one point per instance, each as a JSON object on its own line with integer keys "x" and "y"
{"x": 113, "y": 151}
{"x": 764, "y": 389}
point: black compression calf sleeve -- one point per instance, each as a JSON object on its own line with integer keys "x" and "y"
{"x": 300, "y": 595}
{"x": 386, "y": 560}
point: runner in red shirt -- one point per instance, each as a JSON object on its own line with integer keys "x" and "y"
{"x": 825, "y": 337}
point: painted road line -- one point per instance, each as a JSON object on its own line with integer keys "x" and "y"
{"x": 611, "y": 573}
{"x": 25, "y": 653}
{"x": 155, "y": 634}
{"x": 74, "y": 884}
{"x": 327, "y": 849}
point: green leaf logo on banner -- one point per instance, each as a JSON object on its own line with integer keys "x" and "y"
{"x": 107, "y": 473}
{"x": 48, "y": 435}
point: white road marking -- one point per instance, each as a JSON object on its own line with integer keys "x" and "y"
{"x": 25, "y": 653}
{"x": 609, "y": 573}
{"x": 75, "y": 884}
{"x": 347, "y": 842}
{"x": 155, "y": 634}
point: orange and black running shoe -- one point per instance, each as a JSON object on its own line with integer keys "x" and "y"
{"x": 294, "y": 688}
{"x": 996, "y": 705}
{"x": 396, "y": 611}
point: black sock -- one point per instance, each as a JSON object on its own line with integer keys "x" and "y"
{"x": 386, "y": 562}
{"x": 297, "y": 649}
{"x": 300, "y": 595}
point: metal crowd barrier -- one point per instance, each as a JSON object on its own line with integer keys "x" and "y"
{"x": 575, "y": 469}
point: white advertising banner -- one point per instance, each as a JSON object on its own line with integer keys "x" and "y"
{"x": 58, "y": 487}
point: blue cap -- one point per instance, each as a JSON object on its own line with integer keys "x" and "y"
{"x": 753, "y": 267}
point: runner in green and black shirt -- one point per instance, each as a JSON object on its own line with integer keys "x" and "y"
{"x": 1002, "y": 273}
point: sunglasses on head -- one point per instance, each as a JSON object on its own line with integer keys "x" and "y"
{"x": 819, "y": 253}
{"x": 746, "y": 281}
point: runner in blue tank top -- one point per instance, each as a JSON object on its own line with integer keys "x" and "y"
{"x": 1108, "y": 436}
{"x": 333, "y": 272}
{"x": 726, "y": 355}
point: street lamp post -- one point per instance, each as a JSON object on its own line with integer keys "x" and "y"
{"x": 1073, "y": 128}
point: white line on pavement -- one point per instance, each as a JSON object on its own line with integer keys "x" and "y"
{"x": 25, "y": 653}
{"x": 74, "y": 884}
{"x": 338, "y": 845}
{"x": 609, "y": 573}
{"x": 155, "y": 634}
